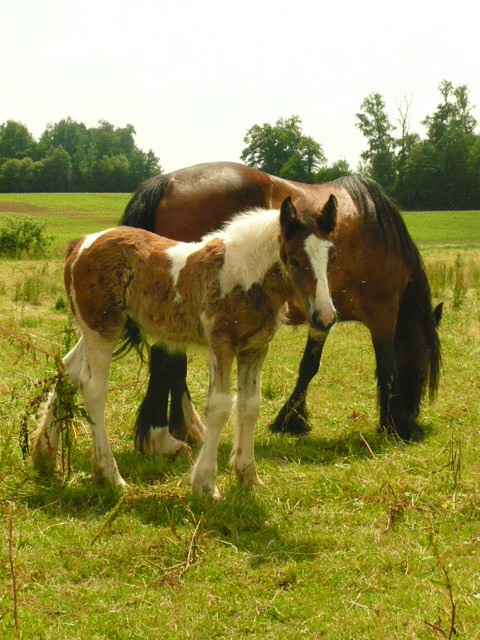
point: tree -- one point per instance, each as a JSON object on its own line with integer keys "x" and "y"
{"x": 282, "y": 149}
{"x": 336, "y": 170}
{"x": 16, "y": 176}
{"x": 379, "y": 158}
{"x": 56, "y": 170}
{"x": 454, "y": 111}
{"x": 16, "y": 141}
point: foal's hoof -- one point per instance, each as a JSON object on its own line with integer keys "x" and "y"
{"x": 206, "y": 491}
{"x": 247, "y": 477}
{"x": 45, "y": 466}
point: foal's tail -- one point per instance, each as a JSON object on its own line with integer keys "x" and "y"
{"x": 417, "y": 342}
{"x": 140, "y": 211}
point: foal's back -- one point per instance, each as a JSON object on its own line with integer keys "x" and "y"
{"x": 108, "y": 273}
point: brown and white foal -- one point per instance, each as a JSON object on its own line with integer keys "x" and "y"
{"x": 227, "y": 291}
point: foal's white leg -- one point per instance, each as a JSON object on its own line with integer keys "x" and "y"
{"x": 93, "y": 382}
{"x": 219, "y": 405}
{"x": 47, "y": 434}
{"x": 247, "y": 410}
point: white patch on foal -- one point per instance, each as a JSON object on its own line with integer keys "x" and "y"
{"x": 178, "y": 256}
{"x": 317, "y": 250}
{"x": 89, "y": 240}
{"x": 250, "y": 249}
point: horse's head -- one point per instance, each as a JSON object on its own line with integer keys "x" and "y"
{"x": 306, "y": 251}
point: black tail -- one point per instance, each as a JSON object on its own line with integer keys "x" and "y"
{"x": 140, "y": 211}
{"x": 416, "y": 333}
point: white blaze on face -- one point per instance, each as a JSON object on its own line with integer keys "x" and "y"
{"x": 317, "y": 250}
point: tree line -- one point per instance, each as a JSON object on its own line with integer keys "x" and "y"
{"x": 72, "y": 157}
{"x": 440, "y": 171}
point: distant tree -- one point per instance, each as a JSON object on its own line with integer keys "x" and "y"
{"x": 455, "y": 111}
{"x": 16, "y": 141}
{"x": 112, "y": 174}
{"x": 334, "y": 171}
{"x": 70, "y": 156}
{"x": 56, "y": 171}
{"x": 66, "y": 133}
{"x": 379, "y": 158}
{"x": 16, "y": 176}
{"x": 423, "y": 174}
{"x": 282, "y": 149}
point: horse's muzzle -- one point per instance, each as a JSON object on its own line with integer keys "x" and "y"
{"x": 316, "y": 321}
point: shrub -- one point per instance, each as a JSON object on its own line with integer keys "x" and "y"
{"x": 23, "y": 237}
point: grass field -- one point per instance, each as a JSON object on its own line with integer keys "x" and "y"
{"x": 352, "y": 535}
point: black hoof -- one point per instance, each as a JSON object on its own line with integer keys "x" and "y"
{"x": 292, "y": 419}
{"x": 413, "y": 434}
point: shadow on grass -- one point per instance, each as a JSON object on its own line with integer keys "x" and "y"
{"x": 159, "y": 493}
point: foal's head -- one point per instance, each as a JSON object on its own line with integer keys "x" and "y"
{"x": 306, "y": 251}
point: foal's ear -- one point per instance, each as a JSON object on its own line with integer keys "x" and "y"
{"x": 328, "y": 217}
{"x": 289, "y": 221}
{"x": 437, "y": 314}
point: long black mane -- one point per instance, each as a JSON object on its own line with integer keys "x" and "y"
{"x": 416, "y": 311}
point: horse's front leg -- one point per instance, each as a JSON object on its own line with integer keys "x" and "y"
{"x": 394, "y": 414}
{"x": 247, "y": 410}
{"x": 292, "y": 417}
{"x": 219, "y": 405}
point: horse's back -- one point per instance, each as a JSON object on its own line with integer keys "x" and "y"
{"x": 199, "y": 199}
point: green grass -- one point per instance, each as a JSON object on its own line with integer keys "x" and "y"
{"x": 455, "y": 228}
{"x": 338, "y": 543}
{"x": 68, "y": 215}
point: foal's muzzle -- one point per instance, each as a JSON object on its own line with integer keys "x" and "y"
{"x": 316, "y": 321}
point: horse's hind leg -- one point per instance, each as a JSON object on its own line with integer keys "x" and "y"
{"x": 47, "y": 434}
{"x": 292, "y": 417}
{"x": 184, "y": 423}
{"x": 151, "y": 429}
{"x": 153, "y": 412}
{"x": 247, "y": 410}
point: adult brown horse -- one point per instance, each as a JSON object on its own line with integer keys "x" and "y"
{"x": 378, "y": 278}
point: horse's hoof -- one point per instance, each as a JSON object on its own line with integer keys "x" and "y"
{"x": 293, "y": 424}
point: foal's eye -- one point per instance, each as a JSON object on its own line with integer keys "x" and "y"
{"x": 294, "y": 262}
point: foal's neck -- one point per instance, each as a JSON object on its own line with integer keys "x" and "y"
{"x": 252, "y": 249}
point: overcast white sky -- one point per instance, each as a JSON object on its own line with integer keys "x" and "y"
{"x": 192, "y": 77}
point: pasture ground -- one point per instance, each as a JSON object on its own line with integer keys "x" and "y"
{"x": 353, "y": 535}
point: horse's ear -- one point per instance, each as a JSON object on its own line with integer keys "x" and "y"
{"x": 437, "y": 314}
{"x": 289, "y": 221}
{"x": 328, "y": 217}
